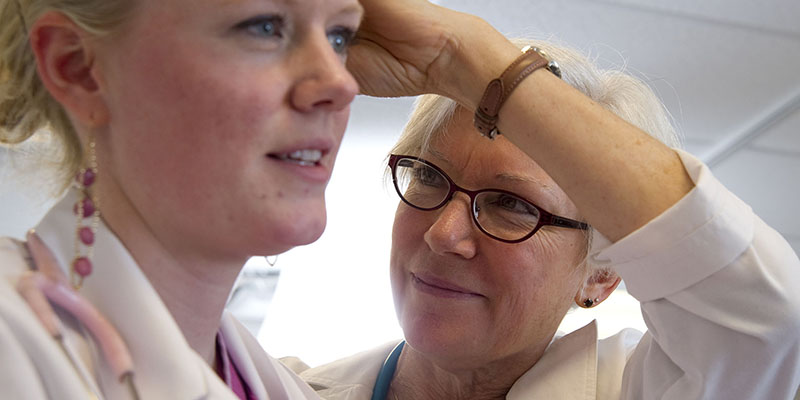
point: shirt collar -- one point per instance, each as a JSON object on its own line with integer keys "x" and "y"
{"x": 164, "y": 364}
{"x": 567, "y": 370}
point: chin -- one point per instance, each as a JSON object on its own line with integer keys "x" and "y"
{"x": 446, "y": 352}
{"x": 437, "y": 338}
{"x": 273, "y": 245}
{"x": 299, "y": 231}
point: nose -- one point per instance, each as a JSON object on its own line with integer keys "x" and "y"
{"x": 453, "y": 231}
{"x": 322, "y": 82}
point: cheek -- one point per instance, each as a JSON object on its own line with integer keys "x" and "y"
{"x": 408, "y": 229}
{"x": 184, "y": 88}
{"x": 539, "y": 280}
{"x": 190, "y": 103}
{"x": 407, "y": 239}
{"x": 402, "y": 238}
{"x": 179, "y": 118}
{"x": 398, "y": 283}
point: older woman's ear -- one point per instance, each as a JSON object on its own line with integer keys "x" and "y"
{"x": 599, "y": 284}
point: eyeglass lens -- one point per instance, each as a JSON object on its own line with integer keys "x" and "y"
{"x": 499, "y": 214}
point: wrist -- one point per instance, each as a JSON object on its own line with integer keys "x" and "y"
{"x": 476, "y": 54}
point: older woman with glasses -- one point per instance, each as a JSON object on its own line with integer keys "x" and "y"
{"x": 501, "y": 214}
{"x": 495, "y": 240}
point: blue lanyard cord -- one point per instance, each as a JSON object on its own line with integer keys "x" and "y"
{"x": 387, "y": 373}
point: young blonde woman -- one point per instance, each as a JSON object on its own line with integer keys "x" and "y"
{"x": 201, "y": 133}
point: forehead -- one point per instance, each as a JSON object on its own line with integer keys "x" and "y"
{"x": 259, "y": 1}
{"x": 308, "y": 5}
{"x": 212, "y": 7}
{"x": 470, "y": 158}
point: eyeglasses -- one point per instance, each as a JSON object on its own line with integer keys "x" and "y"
{"x": 500, "y": 214}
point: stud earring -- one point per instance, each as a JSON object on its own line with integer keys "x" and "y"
{"x": 86, "y": 207}
{"x": 588, "y": 303}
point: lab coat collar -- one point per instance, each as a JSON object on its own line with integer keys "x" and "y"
{"x": 164, "y": 364}
{"x": 567, "y": 370}
{"x": 258, "y": 369}
{"x": 239, "y": 352}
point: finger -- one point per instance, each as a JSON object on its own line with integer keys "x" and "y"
{"x": 44, "y": 259}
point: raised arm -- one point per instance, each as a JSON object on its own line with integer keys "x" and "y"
{"x": 619, "y": 177}
{"x": 717, "y": 285}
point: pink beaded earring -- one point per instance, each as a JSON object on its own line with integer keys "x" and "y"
{"x": 86, "y": 207}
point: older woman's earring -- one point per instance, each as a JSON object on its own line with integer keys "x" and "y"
{"x": 86, "y": 207}
{"x": 588, "y": 303}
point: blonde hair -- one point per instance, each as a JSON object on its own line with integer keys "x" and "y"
{"x": 624, "y": 95}
{"x": 25, "y": 104}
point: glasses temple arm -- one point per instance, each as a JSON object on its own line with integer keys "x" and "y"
{"x": 567, "y": 223}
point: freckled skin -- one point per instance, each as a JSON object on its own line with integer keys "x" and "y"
{"x": 526, "y": 288}
{"x": 196, "y": 106}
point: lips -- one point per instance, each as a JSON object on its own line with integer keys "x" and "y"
{"x": 310, "y": 160}
{"x": 442, "y": 288}
{"x": 304, "y": 157}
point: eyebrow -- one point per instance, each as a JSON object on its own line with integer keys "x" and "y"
{"x": 502, "y": 176}
{"x": 354, "y": 8}
{"x": 439, "y": 155}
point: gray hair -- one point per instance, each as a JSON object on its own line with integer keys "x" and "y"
{"x": 624, "y": 95}
{"x": 25, "y": 104}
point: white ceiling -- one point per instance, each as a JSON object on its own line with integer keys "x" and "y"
{"x": 728, "y": 71}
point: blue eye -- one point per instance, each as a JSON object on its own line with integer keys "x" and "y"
{"x": 340, "y": 39}
{"x": 264, "y": 26}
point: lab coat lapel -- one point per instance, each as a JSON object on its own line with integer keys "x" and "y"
{"x": 30, "y": 355}
{"x": 164, "y": 364}
{"x": 240, "y": 356}
{"x": 261, "y": 372}
{"x": 567, "y": 370}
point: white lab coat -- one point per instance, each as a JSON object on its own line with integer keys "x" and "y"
{"x": 32, "y": 365}
{"x": 719, "y": 294}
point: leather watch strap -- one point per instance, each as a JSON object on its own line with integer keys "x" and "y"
{"x": 500, "y": 88}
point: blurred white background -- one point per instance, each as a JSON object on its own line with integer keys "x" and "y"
{"x": 727, "y": 70}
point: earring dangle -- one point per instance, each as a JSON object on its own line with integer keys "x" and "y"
{"x": 87, "y": 208}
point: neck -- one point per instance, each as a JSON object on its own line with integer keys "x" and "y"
{"x": 194, "y": 294}
{"x": 421, "y": 378}
{"x": 193, "y": 285}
